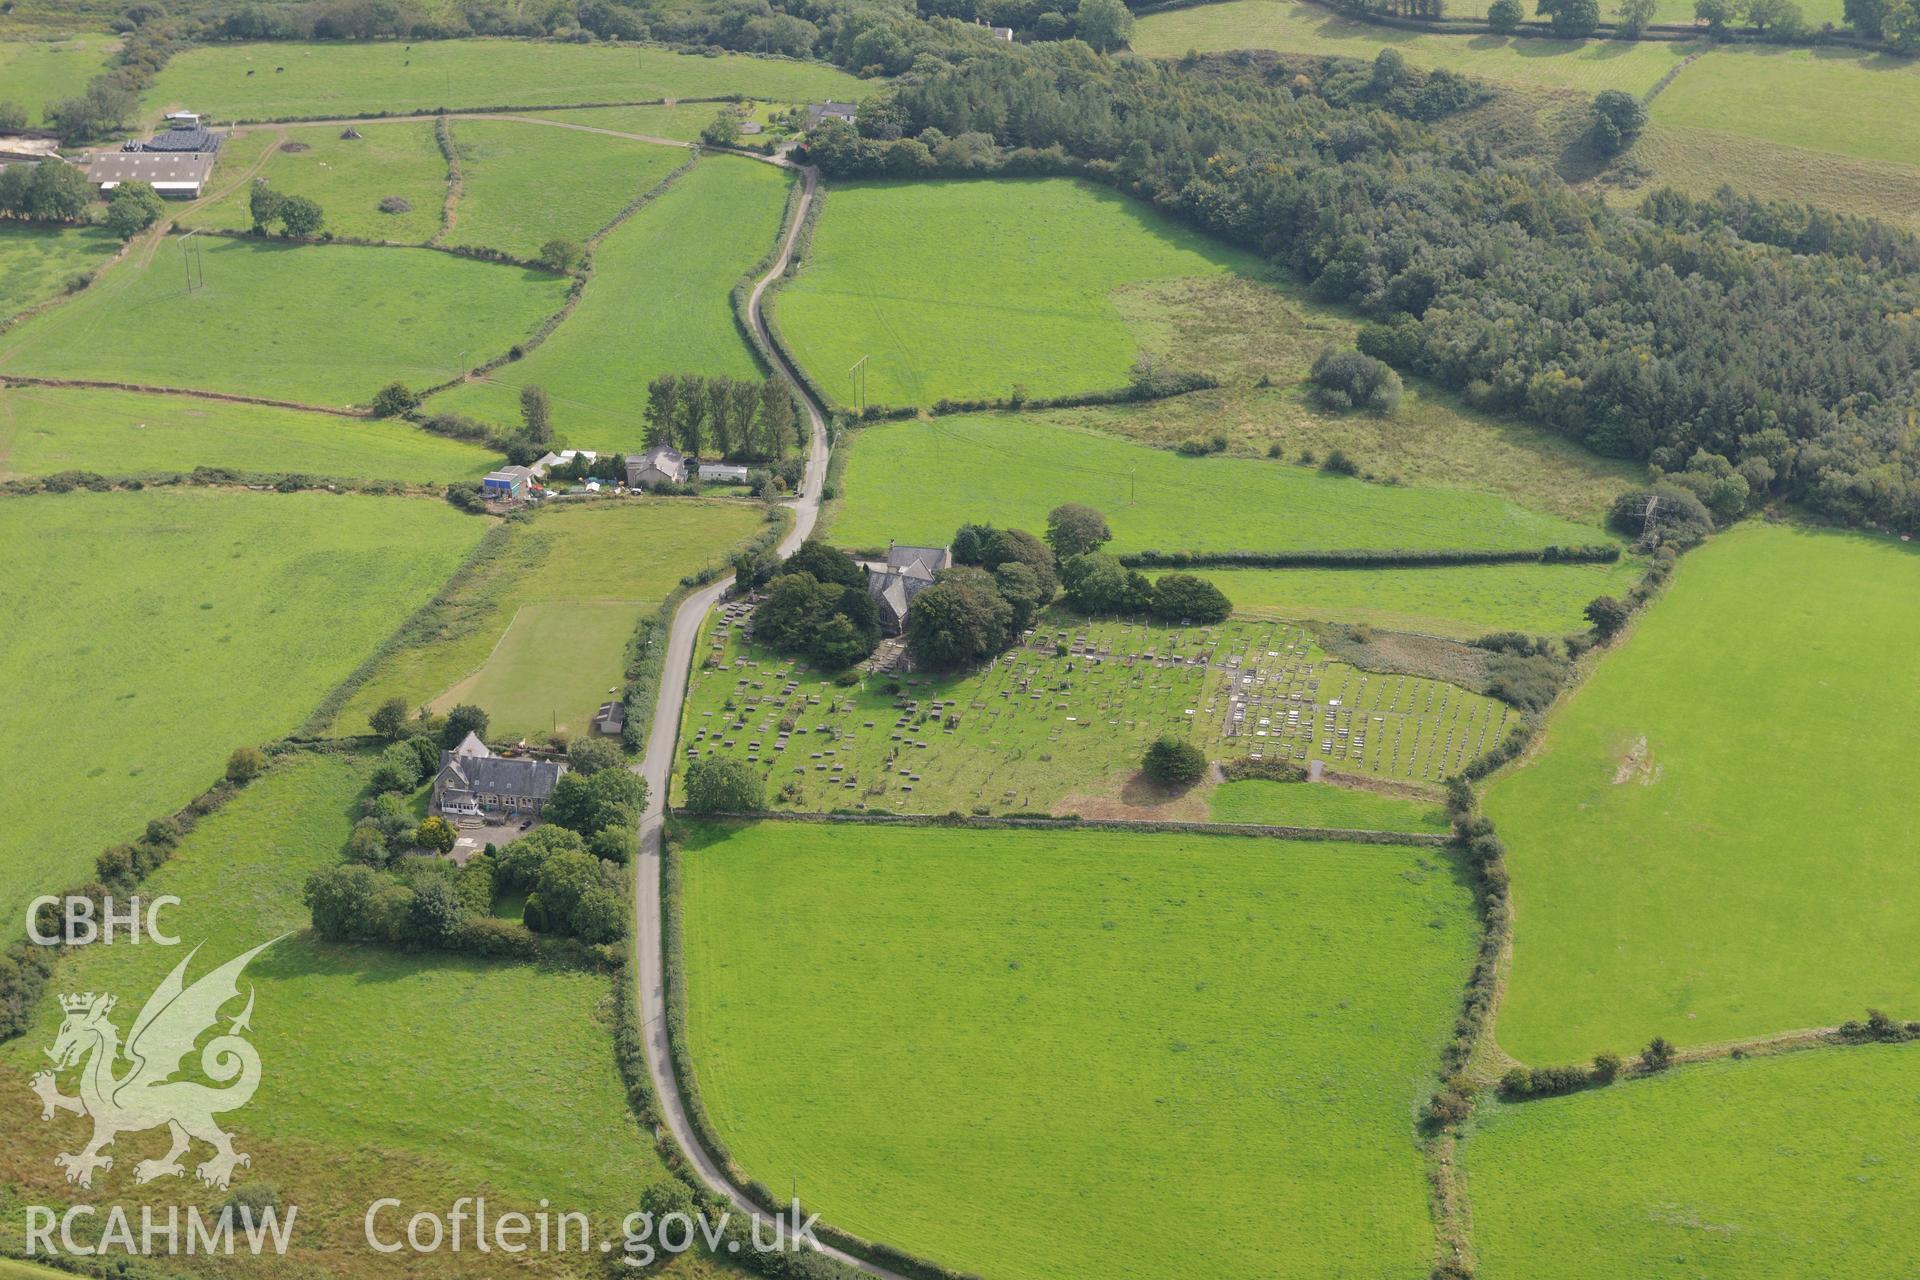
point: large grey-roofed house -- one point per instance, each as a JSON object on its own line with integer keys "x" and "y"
{"x": 907, "y": 572}
{"x": 662, "y": 464}
{"x": 472, "y": 778}
{"x": 845, "y": 112}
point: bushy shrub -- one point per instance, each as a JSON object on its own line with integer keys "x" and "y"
{"x": 1174, "y": 762}
{"x": 723, "y": 784}
{"x": 1345, "y": 380}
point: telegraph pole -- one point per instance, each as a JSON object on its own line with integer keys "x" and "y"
{"x": 858, "y": 373}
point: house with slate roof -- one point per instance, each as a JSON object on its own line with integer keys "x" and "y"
{"x": 662, "y": 464}
{"x": 474, "y": 781}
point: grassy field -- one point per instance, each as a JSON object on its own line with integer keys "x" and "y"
{"x": 332, "y": 1018}
{"x": 524, "y": 184}
{"x": 1701, "y": 161}
{"x": 37, "y": 262}
{"x": 1464, "y": 601}
{"x": 326, "y": 79}
{"x": 638, "y": 320}
{"x": 49, "y": 429}
{"x": 320, "y": 325}
{"x": 916, "y": 482}
{"x": 1064, "y": 733}
{"x": 1301, "y": 804}
{"x": 1027, "y": 301}
{"x": 34, "y": 73}
{"x": 683, "y": 121}
{"x": 151, "y": 633}
{"x": 992, "y": 1041}
{"x": 1736, "y": 775}
{"x": 1294, "y": 27}
{"x": 1769, "y": 1169}
{"x": 349, "y": 178}
{"x": 1842, "y": 102}
{"x": 540, "y": 631}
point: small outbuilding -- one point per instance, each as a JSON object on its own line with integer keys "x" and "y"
{"x": 508, "y": 484}
{"x": 610, "y": 719}
{"x": 722, "y": 473}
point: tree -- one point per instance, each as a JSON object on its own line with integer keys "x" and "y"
{"x": 777, "y": 418}
{"x": 434, "y": 833}
{"x": 1019, "y": 545}
{"x": 1901, "y": 27}
{"x": 1173, "y": 762}
{"x": 1658, "y": 1055}
{"x": 1606, "y": 1067}
{"x": 614, "y": 844}
{"x": 1867, "y": 17}
{"x": 12, "y": 116}
{"x": 133, "y": 207}
{"x": 598, "y": 918}
{"x": 389, "y": 719}
{"x": 1607, "y": 615}
{"x": 301, "y": 218}
{"x": 611, "y": 797}
{"x": 1505, "y": 16}
{"x": 535, "y": 414}
{"x": 565, "y": 878}
{"x": 955, "y": 623}
{"x": 1350, "y": 380}
{"x": 366, "y": 844}
{"x": 826, "y": 564}
{"x": 338, "y": 899}
{"x": 245, "y": 764}
{"x": 1633, "y": 17}
{"x": 434, "y": 913}
{"x": 589, "y": 756}
{"x": 1097, "y": 583}
{"x": 58, "y": 192}
{"x": 724, "y": 784}
{"x": 1074, "y": 530}
{"x": 1617, "y": 120}
{"x": 399, "y": 769}
{"x": 1019, "y": 586}
{"x": 394, "y": 400}
{"x": 463, "y": 720}
{"x": 723, "y": 130}
{"x": 1717, "y": 14}
{"x": 1181, "y": 597}
{"x": 560, "y": 254}
{"x": 1575, "y": 19}
{"x": 1105, "y": 24}
{"x": 263, "y": 203}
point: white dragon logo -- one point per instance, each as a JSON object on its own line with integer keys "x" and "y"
{"x": 148, "y": 1096}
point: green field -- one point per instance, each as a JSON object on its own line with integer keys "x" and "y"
{"x": 34, "y": 73}
{"x": 917, "y": 482}
{"x": 658, "y": 303}
{"x": 683, "y": 121}
{"x": 1797, "y": 1166}
{"x": 325, "y": 79}
{"x": 1842, "y": 102}
{"x": 37, "y": 262}
{"x": 151, "y": 633}
{"x": 1736, "y": 775}
{"x": 1700, "y": 161}
{"x": 1302, "y": 804}
{"x": 1039, "y": 730}
{"x": 49, "y": 429}
{"x": 1462, "y": 601}
{"x": 539, "y": 632}
{"x": 524, "y": 184}
{"x": 450, "y": 1114}
{"x": 349, "y": 177}
{"x": 992, "y": 1042}
{"x": 1291, "y": 26}
{"x": 320, "y": 325}
{"x": 963, "y": 289}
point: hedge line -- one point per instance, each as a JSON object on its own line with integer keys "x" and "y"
{"x": 506, "y": 108}
{"x": 802, "y": 247}
{"x": 1371, "y": 558}
{"x": 742, "y": 295}
{"x": 978, "y": 822}
{"x": 212, "y": 478}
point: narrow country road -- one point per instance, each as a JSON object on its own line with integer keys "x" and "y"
{"x": 657, "y": 765}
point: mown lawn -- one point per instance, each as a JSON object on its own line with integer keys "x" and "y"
{"x": 1729, "y": 788}
{"x": 1301, "y": 804}
{"x": 1291, "y": 26}
{"x": 539, "y": 631}
{"x": 384, "y": 1073}
{"x": 49, "y": 429}
{"x": 525, "y": 184}
{"x": 327, "y": 325}
{"x": 348, "y": 178}
{"x": 35, "y": 73}
{"x": 658, "y": 303}
{"x": 1795, "y": 1166}
{"x": 151, "y": 633}
{"x": 979, "y": 1045}
{"x": 966, "y": 289}
{"x": 1462, "y": 601}
{"x": 917, "y": 482}
{"x": 36, "y": 263}
{"x": 344, "y": 79}
{"x": 1064, "y": 732}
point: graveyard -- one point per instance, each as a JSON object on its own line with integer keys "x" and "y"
{"x": 1058, "y": 723}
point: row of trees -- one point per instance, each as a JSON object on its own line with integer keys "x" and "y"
{"x": 721, "y": 416}
{"x": 51, "y": 191}
{"x": 299, "y": 217}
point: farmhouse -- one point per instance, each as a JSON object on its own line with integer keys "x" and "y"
{"x": 841, "y": 111}
{"x": 659, "y": 465}
{"x": 907, "y": 572}
{"x": 171, "y": 173}
{"x": 508, "y": 484}
{"x": 722, "y": 473}
{"x": 473, "y": 780}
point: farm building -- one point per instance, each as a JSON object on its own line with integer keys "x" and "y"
{"x": 722, "y": 473}
{"x": 659, "y": 465}
{"x": 473, "y": 780}
{"x": 183, "y": 133}
{"x": 561, "y": 459}
{"x": 508, "y": 484}
{"x": 907, "y": 572}
{"x": 841, "y": 111}
{"x": 171, "y": 173}
{"x": 610, "y": 719}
